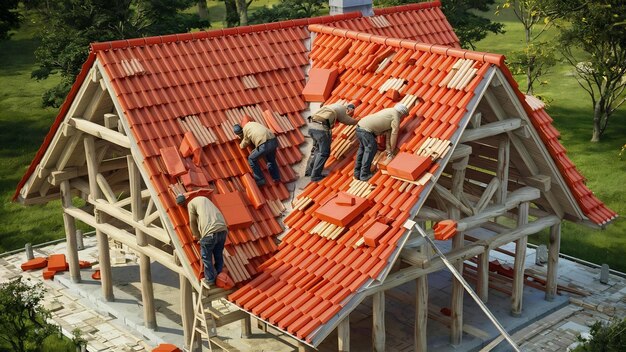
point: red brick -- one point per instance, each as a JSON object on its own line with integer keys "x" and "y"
{"x": 56, "y": 262}
{"x": 234, "y": 208}
{"x": 408, "y": 166}
{"x": 33, "y": 264}
{"x": 320, "y": 84}
{"x": 342, "y": 215}
{"x": 372, "y": 235}
{"x": 173, "y": 162}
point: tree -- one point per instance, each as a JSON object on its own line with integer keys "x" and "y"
{"x": 232, "y": 15}
{"x": 9, "y": 17}
{"x": 468, "y": 26}
{"x": 203, "y": 11}
{"x": 70, "y": 25}
{"x": 288, "y": 10}
{"x": 594, "y": 44}
{"x": 536, "y": 57}
{"x": 23, "y": 320}
{"x": 605, "y": 337}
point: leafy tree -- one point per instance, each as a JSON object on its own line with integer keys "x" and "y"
{"x": 468, "y": 26}
{"x": 536, "y": 57}
{"x": 70, "y": 25}
{"x": 594, "y": 44}
{"x": 9, "y": 17}
{"x": 605, "y": 337}
{"x": 288, "y": 10}
{"x": 232, "y": 15}
{"x": 203, "y": 10}
{"x": 23, "y": 320}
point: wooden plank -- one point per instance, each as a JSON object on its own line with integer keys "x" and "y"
{"x": 378, "y": 321}
{"x": 421, "y": 314}
{"x": 70, "y": 233}
{"x": 343, "y": 335}
{"x": 491, "y": 129}
{"x": 553, "y": 261}
{"x": 520, "y": 256}
{"x": 100, "y": 132}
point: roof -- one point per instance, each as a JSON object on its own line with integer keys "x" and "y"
{"x": 180, "y": 94}
{"x": 597, "y": 211}
{"x": 321, "y": 268}
{"x": 203, "y": 82}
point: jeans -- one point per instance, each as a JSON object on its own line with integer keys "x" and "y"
{"x": 266, "y": 150}
{"x": 211, "y": 248}
{"x": 365, "y": 154}
{"x": 319, "y": 153}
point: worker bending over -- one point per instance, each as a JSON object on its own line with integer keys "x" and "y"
{"x": 386, "y": 121}
{"x": 207, "y": 225}
{"x": 265, "y": 145}
{"x": 320, "y": 130}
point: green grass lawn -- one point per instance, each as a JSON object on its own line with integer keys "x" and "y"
{"x": 571, "y": 109}
{"x": 23, "y": 125}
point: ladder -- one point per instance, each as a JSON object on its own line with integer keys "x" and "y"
{"x": 203, "y": 321}
{"x": 207, "y": 318}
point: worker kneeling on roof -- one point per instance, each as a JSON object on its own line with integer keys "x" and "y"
{"x": 320, "y": 130}
{"x": 386, "y": 121}
{"x": 265, "y": 144}
{"x": 207, "y": 224}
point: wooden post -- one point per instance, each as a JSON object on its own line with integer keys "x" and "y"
{"x": 70, "y": 232}
{"x": 378, "y": 321}
{"x": 246, "y": 327}
{"x": 421, "y": 313}
{"x": 504, "y": 151}
{"x": 456, "y": 306}
{"x": 343, "y": 335}
{"x": 517, "y": 293}
{"x": 103, "y": 241}
{"x": 553, "y": 261}
{"x": 187, "y": 315}
{"x": 145, "y": 274}
{"x": 482, "y": 286}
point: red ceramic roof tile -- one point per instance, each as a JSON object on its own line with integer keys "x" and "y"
{"x": 409, "y": 166}
{"x": 321, "y": 82}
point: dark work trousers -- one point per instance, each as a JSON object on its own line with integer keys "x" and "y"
{"x": 266, "y": 150}
{"x": 319, "y": 153}
{"x": 211, "y": 249}
{"x": 365, "y": 154}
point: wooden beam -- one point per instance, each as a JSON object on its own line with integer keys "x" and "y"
{"x": 458, "y": 242}
{"x": 100, "y": 132}
{"x": 104, "y": 257}
{"x": 56, "y": 177}
{"x": 502, "y": 172}
{"x": 517, "y": 293}
{"x": 246, "y": 327}
{"x": 187, "y": 314}
{"x": 70, "y": 233}
{"x": 106, "y": 189}
{"x": 343, "y": 335}
{"x": 526, "y": 230}
{"x": 421, "y": 314}
{"x": 378, "y": 321}
{"x": 476, "y": 120}
{"x": 487, "y": 195}
{"x": 127, "y": 217}
{"x": 482, "y": 271}
{"x": 541, "y": 182}
{"x": 461, "y": 151}
{"x": 525, "y": 194}
{"x": 553, "y": 261}
{"x": 68, "y": 151}
{"x": 145, "y": 274}
{"x": 452, "y": 200}
{"x": 491, "y": 129}
{"x": 125, "y": 238}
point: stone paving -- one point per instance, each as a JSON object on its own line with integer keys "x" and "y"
{"x": 118, "y": 325}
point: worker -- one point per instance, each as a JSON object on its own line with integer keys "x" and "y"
{"x": 387, "y": 122}
{"x": 265, "y": 144}
{"x": 320, "y": 131}
{"x": 207, "y": 225}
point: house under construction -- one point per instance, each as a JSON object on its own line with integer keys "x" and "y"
{"x": 148, "y": 118}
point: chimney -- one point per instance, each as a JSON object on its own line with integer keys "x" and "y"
{"x": 345, "y": 6}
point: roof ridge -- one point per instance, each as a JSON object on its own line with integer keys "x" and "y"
{"x": 496, "y": 59}
{"x": 162, "y": 39}
{"x": 408, "y": 7}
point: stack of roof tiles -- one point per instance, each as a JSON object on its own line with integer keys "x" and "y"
{"x": 202, "y": 83}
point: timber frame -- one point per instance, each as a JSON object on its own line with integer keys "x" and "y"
{"x": 498, "y": 169}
